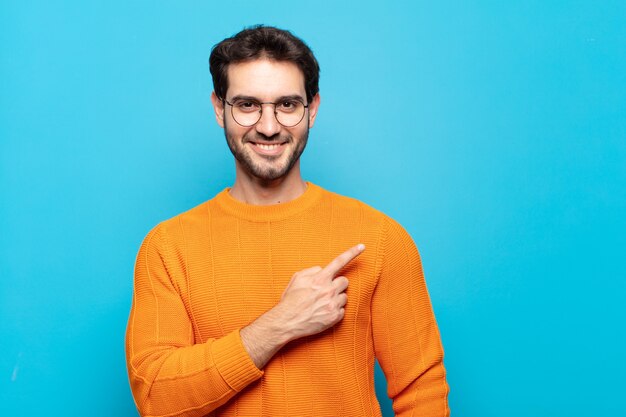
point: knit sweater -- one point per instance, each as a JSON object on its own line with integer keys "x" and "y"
{"x": 205, "y": 274}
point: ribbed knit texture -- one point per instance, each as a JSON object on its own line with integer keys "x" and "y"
{"x": 203, "y": 275}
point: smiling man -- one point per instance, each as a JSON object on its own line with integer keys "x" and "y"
{"x": 275, "y": 297}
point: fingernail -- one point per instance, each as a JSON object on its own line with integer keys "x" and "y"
{"x": 361, "y": 246}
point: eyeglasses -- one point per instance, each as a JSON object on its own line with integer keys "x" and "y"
{"x": 247, "y": 112}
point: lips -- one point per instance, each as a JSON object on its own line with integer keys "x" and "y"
{"x": 272, "y": 148}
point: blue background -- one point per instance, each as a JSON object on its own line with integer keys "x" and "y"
{"x": 494, "y": 131}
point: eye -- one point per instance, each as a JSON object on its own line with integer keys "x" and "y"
{"x": 288, "y": 106}
{"x": 247, "y": 105}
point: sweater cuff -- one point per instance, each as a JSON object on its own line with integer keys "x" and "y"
{"x": 233, "y": 361}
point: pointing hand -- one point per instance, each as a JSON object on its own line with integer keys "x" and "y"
{"x": 315, "y": 297}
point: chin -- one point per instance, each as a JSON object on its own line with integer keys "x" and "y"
{"x": 268, "y": 173}
{"x": 265, "y": 167}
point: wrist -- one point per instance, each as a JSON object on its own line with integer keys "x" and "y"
{"x": 277, "y": 325}
{"x": 264, "y": 337}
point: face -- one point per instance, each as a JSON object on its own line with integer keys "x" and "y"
{"x": 266, "y": 150}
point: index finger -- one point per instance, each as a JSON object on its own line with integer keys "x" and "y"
{"x": 342, "y": 260}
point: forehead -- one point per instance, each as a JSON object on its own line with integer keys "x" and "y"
{"x": 265, "y": 79}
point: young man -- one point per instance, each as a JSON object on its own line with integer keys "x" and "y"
{"x": 250, "y": 304}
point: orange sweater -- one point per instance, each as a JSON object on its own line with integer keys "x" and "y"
{"x": 203, "y": 275}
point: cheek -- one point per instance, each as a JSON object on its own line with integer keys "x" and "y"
{"x": 233, "y": 130}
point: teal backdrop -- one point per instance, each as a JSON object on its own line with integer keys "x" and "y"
{"x": 494, "y": 131}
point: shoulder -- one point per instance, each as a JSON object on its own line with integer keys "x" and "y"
{"x": 391, "y": 235}
{"x": 393, "y": 243}
{"x": 350, "y": 206}
{"x": 392, "y": 232}
{"x": 176, "y": 229}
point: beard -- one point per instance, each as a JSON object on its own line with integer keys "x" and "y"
{"x": 266, "y": 167}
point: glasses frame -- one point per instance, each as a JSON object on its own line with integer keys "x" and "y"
{"x": 232, "y": 107}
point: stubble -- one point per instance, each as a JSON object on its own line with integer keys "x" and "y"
{"x": 265, "y": 167}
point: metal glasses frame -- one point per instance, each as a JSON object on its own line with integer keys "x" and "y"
{"x": 232, "y": 107}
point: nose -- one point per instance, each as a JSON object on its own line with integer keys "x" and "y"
{"x": 267, "y": 124}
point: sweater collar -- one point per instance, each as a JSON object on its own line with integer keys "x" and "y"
{"x": 229, "y": 204}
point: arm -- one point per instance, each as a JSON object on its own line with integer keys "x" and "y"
{"x": 168, "y": 373}
{"x": 406, "y": 337}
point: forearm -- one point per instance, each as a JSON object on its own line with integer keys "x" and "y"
{"x": 264, "y": 337}
{"x": 426, "y": 395}
{"x": 191, "y": 380}
{"x": 204, "y": 376}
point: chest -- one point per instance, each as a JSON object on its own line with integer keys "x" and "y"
{"x": 238, "y": 271}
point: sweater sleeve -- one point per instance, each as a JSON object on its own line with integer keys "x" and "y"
{"x": 406, "y": 338}
{"x": 170, "y": 374}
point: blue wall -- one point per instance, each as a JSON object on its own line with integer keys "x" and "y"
{"x": 494, "y": 132}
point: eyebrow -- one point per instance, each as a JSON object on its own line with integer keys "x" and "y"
{"x": 281, "y": 98}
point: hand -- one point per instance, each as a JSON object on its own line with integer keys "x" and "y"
{"x": 313, "y": 301}
{"x": 315, "y": 297}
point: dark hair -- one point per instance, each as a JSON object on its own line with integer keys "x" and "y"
{"x": 263, "y": 42}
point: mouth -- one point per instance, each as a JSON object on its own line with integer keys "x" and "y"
{"x": 268, "y": 148}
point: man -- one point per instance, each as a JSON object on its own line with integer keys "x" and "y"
{"x": 250, "y": 304}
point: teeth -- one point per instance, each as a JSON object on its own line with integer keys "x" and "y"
{"x": 267, "y": 147}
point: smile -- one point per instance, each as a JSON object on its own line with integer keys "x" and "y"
{"x": 268, "y": 148}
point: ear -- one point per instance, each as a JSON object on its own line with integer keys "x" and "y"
{"x": 218, "y": 107}
{"x": 313, "y": 107}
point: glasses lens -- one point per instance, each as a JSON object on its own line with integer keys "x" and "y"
{"x": 289, "y": 113}
{"x": 246, "y": 113}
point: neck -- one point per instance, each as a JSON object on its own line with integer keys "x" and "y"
{"x": 260, "y": 192}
